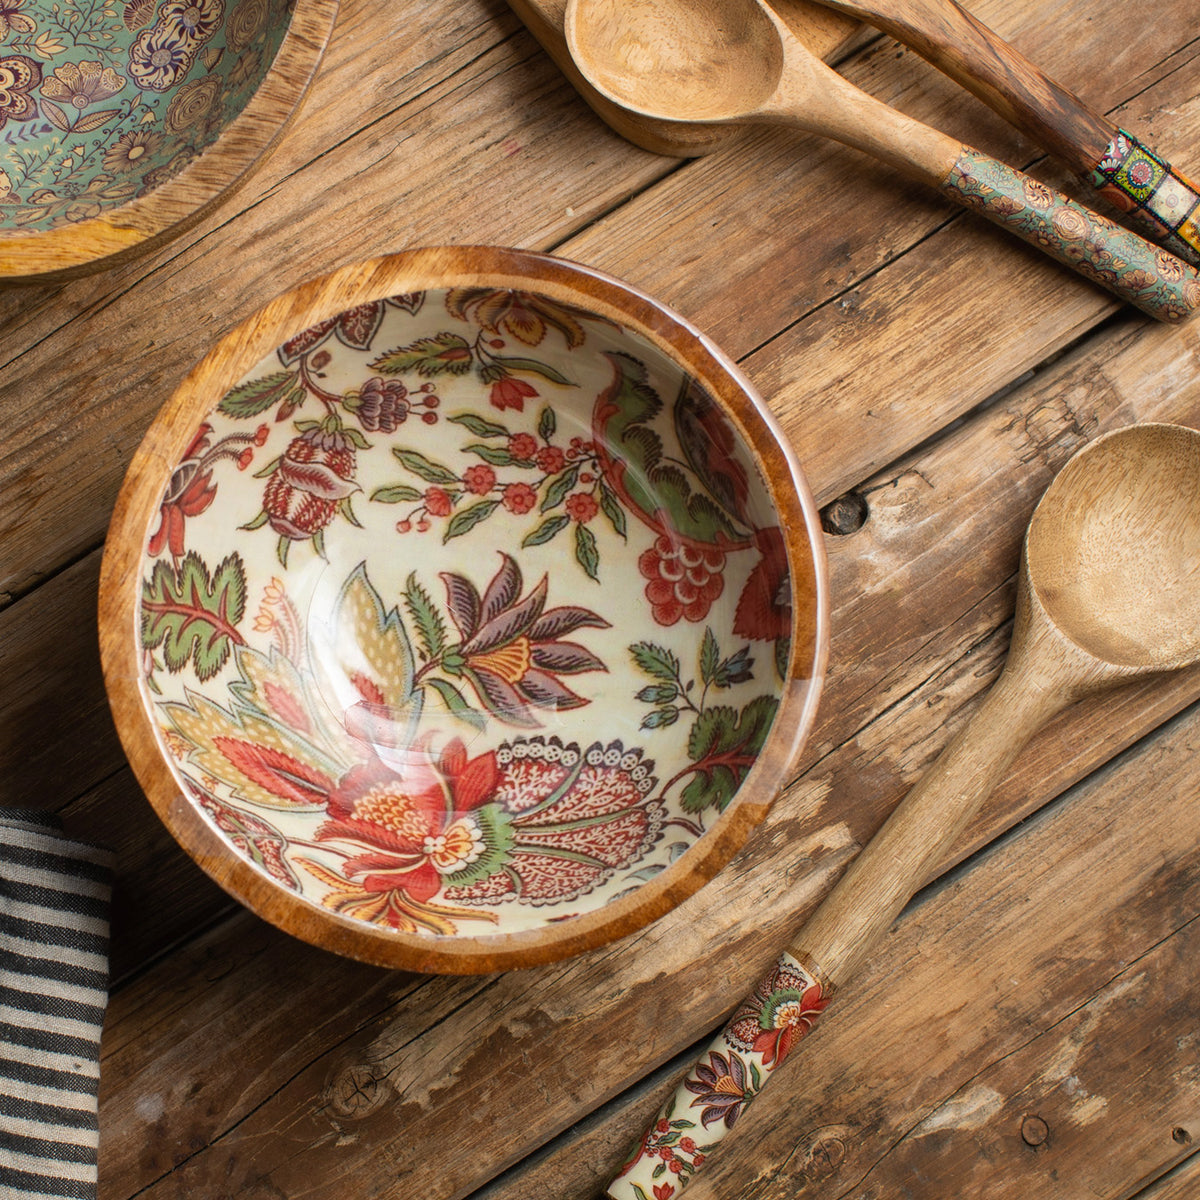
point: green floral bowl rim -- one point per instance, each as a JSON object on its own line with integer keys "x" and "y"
{"x": 141, "y": 224}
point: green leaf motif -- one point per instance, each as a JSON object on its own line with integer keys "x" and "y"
{"x": 556, "y": 493}
{"x": 442, "y": 354}
{"x": 478, "y": 426}
{"x": 431, "y": 629}
{"x": 657, "y": 661}
{"x": 546, "y": 530}
{"x": 723, "y": 744}
{"x": 458, "y": 704}
{"x": 465, "y": 521}
{"x": 194, "y": 616}
{"x": 710, "y": 656}
{"x": 531, "y": 366}
{"x": 611, "y": 507}
{"x": 426, "y": 468}
{"x": 587, "y": 553}
{"x": 547, "y": 425}
{"x": 254, "y": 398}
{"x": 498, "y": 456}
{"x": 396, "y": 494}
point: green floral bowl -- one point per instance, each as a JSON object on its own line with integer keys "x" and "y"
{"x": 124, "y": 120}
{"x": 463, "y": 610}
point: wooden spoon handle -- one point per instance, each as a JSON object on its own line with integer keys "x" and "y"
{"x": 1135, "y": 179}
{"x": 1155, "y": 281}
{"x": 716, "y": 1092}
{"x": 838, "y": 937}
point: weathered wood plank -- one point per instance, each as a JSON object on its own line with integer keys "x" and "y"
{"x": 425, "y": 158}
{"x": 991, "y": 471}
{"x": 385, "y": 154}
{"x": 974, "y": 1057}
{"x": 1183, "y": 1182}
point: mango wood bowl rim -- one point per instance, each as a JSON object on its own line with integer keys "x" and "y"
{"x": 143, "y": 223}
{"x": 163, "y": 446}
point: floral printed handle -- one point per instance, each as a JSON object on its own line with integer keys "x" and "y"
{"x": 1147, "y": 276}
{"x": 717, "y": 1090}
{"x": 1144, "y": 185}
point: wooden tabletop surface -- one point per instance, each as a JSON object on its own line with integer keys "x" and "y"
{"x": 1031, "y": 1025}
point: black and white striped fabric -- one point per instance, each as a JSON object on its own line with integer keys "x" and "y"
{"x": 54, "y": 909}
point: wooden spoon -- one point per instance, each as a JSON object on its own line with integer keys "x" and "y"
{"x": 1129, "y": 174}
{"x": 732, "y": 61}
{"x": 1108, "y": 592}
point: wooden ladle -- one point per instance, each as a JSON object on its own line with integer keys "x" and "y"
{"x": 1135, "y": 178}
{"x": 1108, "y": 592}
{"x": 734, "y": 61}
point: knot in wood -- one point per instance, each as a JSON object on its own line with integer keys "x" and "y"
{"x": 847, "y": 514}
{"x": 1034, "y": 1131}
{"x": 357, "y": 1091}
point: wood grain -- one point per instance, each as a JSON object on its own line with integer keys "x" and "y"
{"x": 743, "y": 916}
{"x": 914, "y": 358}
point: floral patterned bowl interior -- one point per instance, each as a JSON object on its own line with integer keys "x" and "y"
{"x": 467, "y": 611}
{"x": 103, "y": 102}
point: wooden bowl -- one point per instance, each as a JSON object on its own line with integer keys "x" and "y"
{"x": 463, "y": 610}
{"x": 122, "y": 123}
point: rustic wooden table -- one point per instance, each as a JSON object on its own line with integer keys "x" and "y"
{"x": 1031, "y": 1026}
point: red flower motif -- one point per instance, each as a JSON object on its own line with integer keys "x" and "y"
{"x": 523, "y": 446}
{"x": 783, "y": 1008}
{"x": 519, "y": 498}
{"x": 582, "y": 507}
{"x": 416, "y": 824}
{"x": 479, "y": 479}
{"x": 313, "y": 478}
{"x": 438, "y": 502}
{"x": 551, "y": 459}
{"x": 189, "y": 493}
{"x": 509, "y": 392}
{"x": 684, "y": 581}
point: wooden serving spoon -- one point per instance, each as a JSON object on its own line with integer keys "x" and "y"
{"x": 734, "y": 61}
{"x": 1126, "y": 172}
{"x": 1108, "y": 592}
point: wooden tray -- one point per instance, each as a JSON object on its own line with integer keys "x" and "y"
{"x": 824, "y": 31}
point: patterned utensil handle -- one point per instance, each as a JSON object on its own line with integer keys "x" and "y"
{"x": 717, "y": 1090}
{"x": 1116, "y": 258}
{"x": 1161, "y": 200}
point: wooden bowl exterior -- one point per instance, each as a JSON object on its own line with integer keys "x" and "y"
{"x": 78, "y": 248}
{"x": 164, "y": 445}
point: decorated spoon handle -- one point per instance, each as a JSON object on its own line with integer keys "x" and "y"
{"x": 1131, "y": 176}
{"x": 1151, "y": 278}
{"x": 724, "y": 1081}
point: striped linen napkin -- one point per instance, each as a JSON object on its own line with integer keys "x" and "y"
{"x": 54, "y": 909}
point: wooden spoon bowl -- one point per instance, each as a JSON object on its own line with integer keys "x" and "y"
{"x": 463, "y": 610}
{"x": 125, "y": 123}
